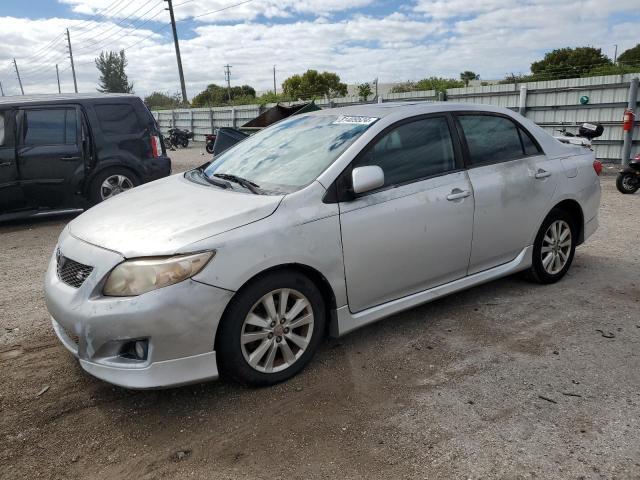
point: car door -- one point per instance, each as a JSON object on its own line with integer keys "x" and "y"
{"x": 50, "y": 154}
{"x": 10, "y": 191}
{"x": 414, "y": 232}
{"x": 513, "y": 185}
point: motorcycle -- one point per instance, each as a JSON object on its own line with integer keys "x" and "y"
{"x": 628, "y": 180}
{"x": 180, "y": 138}
{"x": 211, "y": 140}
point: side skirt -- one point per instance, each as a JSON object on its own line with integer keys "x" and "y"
{"x": 346, "y": 322}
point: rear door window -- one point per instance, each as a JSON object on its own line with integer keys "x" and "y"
{"x": 118, "y": 119}
{"x": 530, "y": 147}
{"x": 411, "y": 151}
{"x": 56, "y": 126}
{"x": 491, "y": 139}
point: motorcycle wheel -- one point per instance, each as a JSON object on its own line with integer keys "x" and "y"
{"x": 209, "y": 148}
{"x": 184, "y": 143}
{"x": 627, "y": 183}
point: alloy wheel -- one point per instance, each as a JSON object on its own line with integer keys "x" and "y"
{"x": 629, "y": 183}
{"x": 556, "y": 247}
{"x": 113, "y": 185}
{"x": 277, "y": 330}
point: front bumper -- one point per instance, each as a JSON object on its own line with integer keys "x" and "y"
{"x": 179, "y": 323}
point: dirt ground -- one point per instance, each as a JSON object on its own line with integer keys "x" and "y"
{"x": 506, "y": 380}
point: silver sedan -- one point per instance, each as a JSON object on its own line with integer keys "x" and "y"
{"x": 320, "y": 224}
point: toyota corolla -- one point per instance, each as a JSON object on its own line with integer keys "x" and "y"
{"x": 318, "y": 225}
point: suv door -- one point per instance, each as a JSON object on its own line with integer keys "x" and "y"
{"x": 513, "y": 186}
{"x": 414, "y": 232}
{"x": 10, "y": 192}
{"x": 50, "y": 154}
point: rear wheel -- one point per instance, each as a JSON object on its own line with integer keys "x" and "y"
{"x": 209, "y": 148}
{"x": 111, "y": 182}
{"x": 627, "y": 183}
{"x": 184, "y": 143}
{"x": 271, "y": 329}
{"x": 554, "y": 247}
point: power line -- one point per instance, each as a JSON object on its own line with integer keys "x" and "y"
{"x": 218, "y": 10}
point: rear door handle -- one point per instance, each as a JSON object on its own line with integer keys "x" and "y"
{"x": 457, "y": 194}
{"x": 69, "y": 159}
{"x": 542, "y": 174}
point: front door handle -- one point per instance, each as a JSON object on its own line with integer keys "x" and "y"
{"x": 542, "y": 174}
{"x": 457, "y": 194}
{"x": 69, "y": 159}
{"x": 5, "y": 164}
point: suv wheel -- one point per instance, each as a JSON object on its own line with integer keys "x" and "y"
{"x": 110, "y": 182}
{"x": 554, "y": 247}
{"x": 271, "y": 329}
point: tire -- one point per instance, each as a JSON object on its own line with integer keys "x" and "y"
{"x": 184, "y": 143}
{"x": 542, "y": 270}
{"x": 125, "y": 180}
{"x": 625, "y": 183}
{"x": 209, "y": 148}
{"x": 234, "y": 356}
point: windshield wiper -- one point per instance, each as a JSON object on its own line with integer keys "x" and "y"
{"x": 213, "y": 181}
{"x": 248, "y": 184}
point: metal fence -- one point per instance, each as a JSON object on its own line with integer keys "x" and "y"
{"x": 551, "y": 104}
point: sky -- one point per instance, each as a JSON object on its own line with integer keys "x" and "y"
{"x": 360, "y": 40}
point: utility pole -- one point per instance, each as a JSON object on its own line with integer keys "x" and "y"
{"x": 274, "y": 81}
{"x": 615, "y": 54}
{"x": 58, "y": 75}
{"x": 1, "y": 89}
{"x": 227, "y": 76}
{"x": 175, "y": 42}
{"x": 73, "y": 68}
{"x": 15, "y": 65}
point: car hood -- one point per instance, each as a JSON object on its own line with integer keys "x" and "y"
{"x": 165, "y": 216}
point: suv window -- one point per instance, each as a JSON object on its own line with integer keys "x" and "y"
{"x": 55, "y": 126}
{"x": 412, "y": 151}
{"x": 118, "y": 119}
{"x": 491, "y": 139}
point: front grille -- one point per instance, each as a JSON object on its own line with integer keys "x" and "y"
{"x": 71, "y": 272}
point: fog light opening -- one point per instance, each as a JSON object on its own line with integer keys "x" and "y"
{"x": 136, "y": 350}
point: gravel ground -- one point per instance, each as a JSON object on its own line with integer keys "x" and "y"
{"x": 506, "y": 380}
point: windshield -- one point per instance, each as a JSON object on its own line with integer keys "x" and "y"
{"x": 291, "y": 153}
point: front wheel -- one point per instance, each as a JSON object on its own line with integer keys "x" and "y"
{"x": 271, "y": 329}
{"x": 184, "y": 143}
{"x": 627, "y": 183}
{"x": 554, "y": 247}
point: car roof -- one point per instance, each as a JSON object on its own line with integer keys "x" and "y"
{"x": 61, "y": 98}
{"x": 380, "y": 110}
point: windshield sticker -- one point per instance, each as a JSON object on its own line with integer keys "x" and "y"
{"x": 355, "y": 120}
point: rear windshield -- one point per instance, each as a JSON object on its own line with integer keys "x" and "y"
{"x": 118, "y": 119}
{"x": 291, "y": 153}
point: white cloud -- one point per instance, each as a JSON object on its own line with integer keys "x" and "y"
{"x": 433, "y": 37}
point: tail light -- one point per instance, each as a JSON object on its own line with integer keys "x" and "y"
{"x": 156, "y": 146}
{"x": 597, "y": 166}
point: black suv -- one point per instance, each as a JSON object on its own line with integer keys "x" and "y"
{"x": 70, "y": 151}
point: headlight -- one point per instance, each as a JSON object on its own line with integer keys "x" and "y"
{"x": 135, "y": 277}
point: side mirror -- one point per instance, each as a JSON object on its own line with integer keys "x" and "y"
{"x": 365, "y": 179}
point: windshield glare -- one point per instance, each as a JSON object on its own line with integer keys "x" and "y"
{"x": 291, "y": 153}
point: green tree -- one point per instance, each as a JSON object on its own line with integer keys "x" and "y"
{"x": 113, "y": 78}
{"x": 364, "y": 90}
{"x": 404, "y": 87}
{"x": 517, "y": 78}
{"x": 215, "y": 95}
{"x": 568, "y": 63}
{"x": 467, "y": 76}
{"x": 159, "y": 100}
{"x": 312, "y": 84}
{"x": 630, "y": 57}
{"x": 438, "y": 84}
